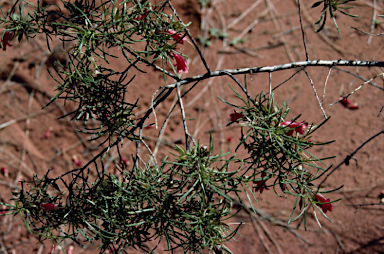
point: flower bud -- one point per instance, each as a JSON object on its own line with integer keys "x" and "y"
{"x": 4, "y": 171}
{"x": 76, "y": 160}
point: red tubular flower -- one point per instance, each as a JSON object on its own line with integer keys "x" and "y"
{"x": 140, "y": 16}
{"x": 53, "y": 250}
{"x": 181, "y": 64}
{"x": 4, "y": 171}
{"x": 295, "y": 126}
{"x": 76, "y": 160}
{"x": 70, "y": 249}
{"x": 6, "y": 38}
{"x": 236, "y": 116}
{"x": 381, "y": 196}
{"x": 48, "y": 132}
{"x": 177, "y": 36}
{"x": 260, "y": 185}
{"x": 323, "y": 203}
{"x": 2, "y": 212}
{"x": 124, "y": 160}
{"x": 49, "y": 207}
{"x": 349, "y": 104}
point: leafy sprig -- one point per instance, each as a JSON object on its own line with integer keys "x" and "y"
{"x": 332, "y": 6}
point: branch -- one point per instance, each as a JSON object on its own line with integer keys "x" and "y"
{"x": 274, "y": 68}
{"x": 252, "y": 70}
{"x": 192, "y": 40}
{"x": 349, "y": 157}
{"x": 357, "y": 206}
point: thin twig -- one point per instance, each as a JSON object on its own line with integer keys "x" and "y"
{"x": 117, "y": 142}
{"x": 354, "y": 91}
{"x": 269, "y": 218}
{"x": 289, "y": 31}
{"x": 150, "y": 152}
{"x": 5, "y": 85}
{"x": 220, "y": 61}
{"x": 348, "y": 158}
{"x": 164, "y": 126}
{"x": 259, "y": 234}
{"x": 10, "y": 122}
{"x": 275, "y": 17}
{"x": 241, "y": 86}
{"x": 271, "y": 238}
{"x": 270, "y": 85}
{"x": 359, "y": 189}
{"x": 22, "y": 157}
{"x": 373, "y": 23}
{"x": 357, "y": 206}
{"x": 359, "y": 77}
{"x": 370, "y": 34}
{"x": 193, "y": 40}
{"x": 184, "y": 121}
{"x": 325, "y": 86}
{"x": 337, "y": 240}
{"x": 302, "y": 32}
{"x": 245, "y": 13}
{"x": 317, "y": 96}
{"x": 151, "y": 64}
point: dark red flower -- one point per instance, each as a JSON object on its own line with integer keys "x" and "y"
{"x": 124, "y": 160}
{"x": 140, "y": 16}
{"x": 177, "y": 36}
{"x": 349, "y": 104}
{"x": 229, "y": 139}
{"x": 49, "y": 207}
{"x": 236, "y": 116}
{"x": 323, "y": 203}
{"x": 181, "y": 64}
{"x": 295, "y": 126}
{"x": 381, "y": 196}
{"x": 2, "y": 212}
{"x": 6, "y": 38}
{"x": 260, "y": 185}
{"x": 4, "y": 171}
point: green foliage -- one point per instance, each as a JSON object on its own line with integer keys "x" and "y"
{"x": 89, "y": 31}
{"x": 332, "y": 6}
{"x": 217, "y": 33}
{"x": 237, "y": 41}
{"x": 205, "y": 42}
{"x": 277, "y": 152}
{"x": 185, "y": 202}
{"x": 213, "y": 33}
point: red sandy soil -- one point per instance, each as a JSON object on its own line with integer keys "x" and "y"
{"x": 274, "y": 39}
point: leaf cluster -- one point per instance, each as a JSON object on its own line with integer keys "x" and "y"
{"x": 278, "y": 155}
{"x": 332, "y": 6}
